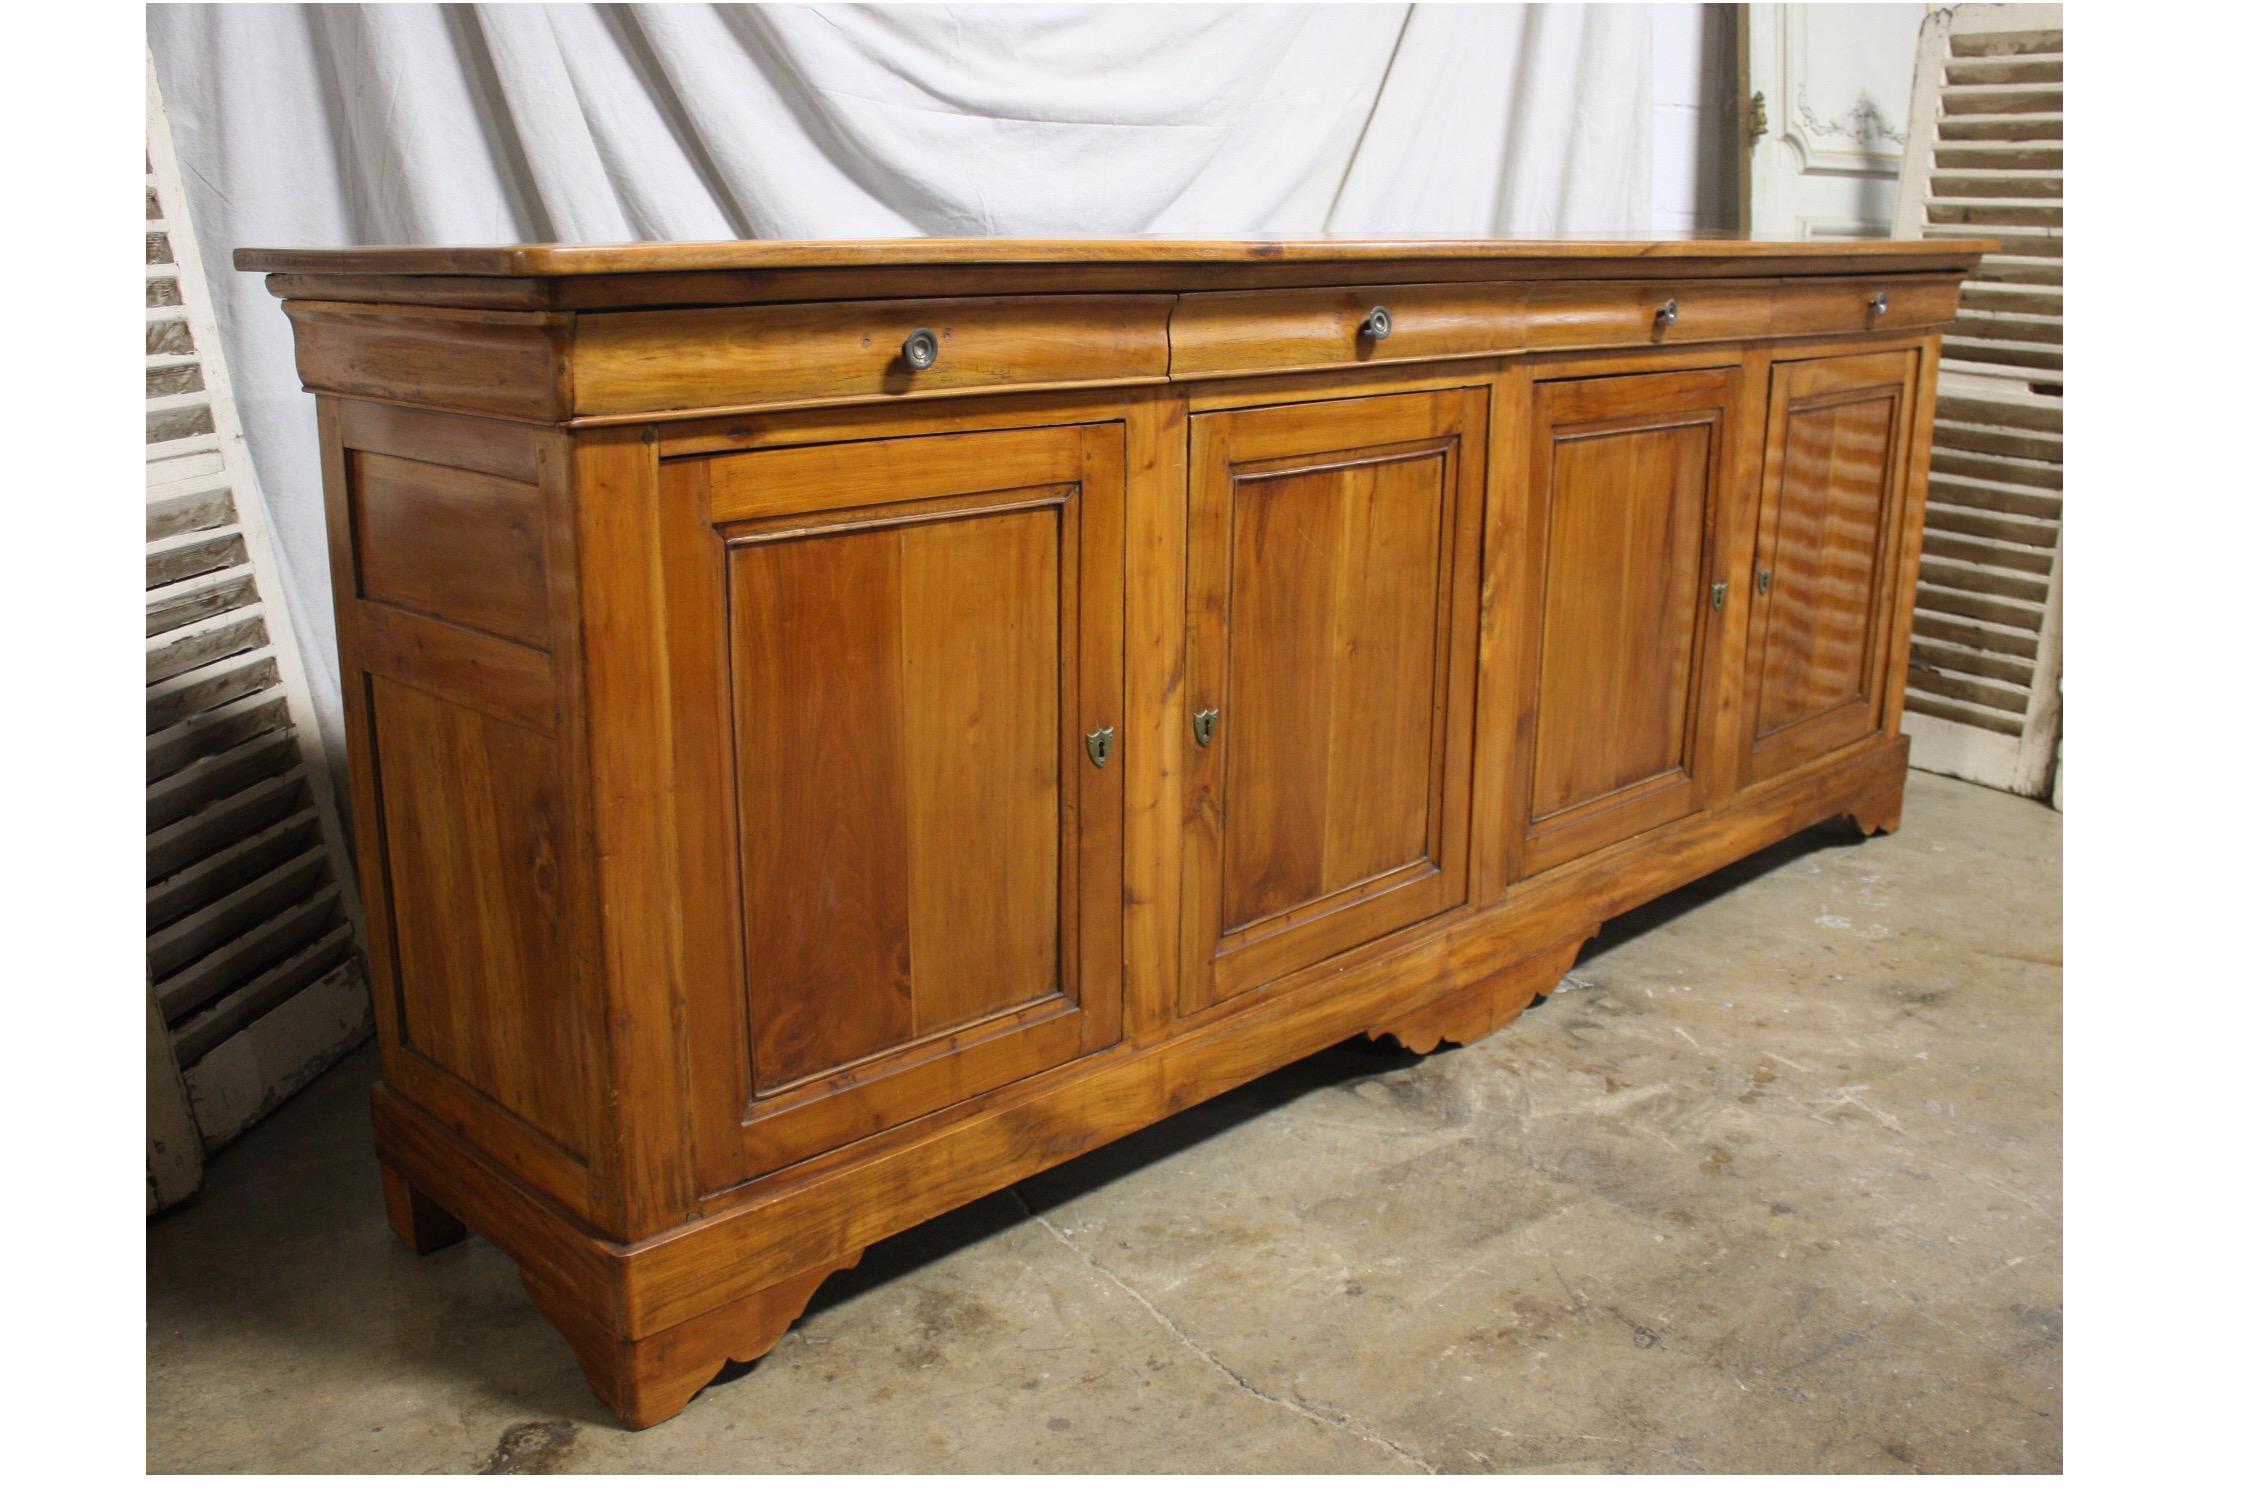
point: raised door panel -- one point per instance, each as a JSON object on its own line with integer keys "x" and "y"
{"x": 913, "y": 639}
{"x": 1834, "y": 472}
{"x": 1623, "y": 616}
{"x": 1334, "y": 554}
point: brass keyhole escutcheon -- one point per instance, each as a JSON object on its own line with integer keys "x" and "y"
{"x": 1100, "y": 745}
{"x": 1202, "y": 725}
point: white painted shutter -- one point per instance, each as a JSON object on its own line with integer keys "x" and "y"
{"x": 1984, "y": 158}
{"x": 254, "y": 959}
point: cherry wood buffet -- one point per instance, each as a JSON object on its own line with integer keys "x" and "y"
{"x": 838, "y": 728}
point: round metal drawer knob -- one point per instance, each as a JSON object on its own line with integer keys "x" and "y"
{"x": 1879, "y": 305}
{"x": 921, "y": 350}
{"x": 1668, "y": 315}
{"x": 1377, "y": 324}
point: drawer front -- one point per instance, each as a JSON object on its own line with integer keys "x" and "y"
{"x": 1587, "y": 315}
{"x": 1584, "y": 315}
{"x": 1854, "y": 307}
{"x": 1235, "y": 334}
{"x": 677, "y": 360}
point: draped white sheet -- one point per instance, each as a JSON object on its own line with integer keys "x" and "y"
{"x": 391, "y": 124}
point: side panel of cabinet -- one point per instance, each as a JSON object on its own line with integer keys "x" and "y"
{"x": 1612, "y": 585}
{"x": 1835, "y": 467}
{"x": 1332, "y": 607}
{"x": 456, "y": 683}
{"x": 902, "y": 645}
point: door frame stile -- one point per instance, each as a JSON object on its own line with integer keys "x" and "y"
{"x": 1733, "y": 749}
{"x": 1157, "y": 500}
{"x": 622, "y": 712}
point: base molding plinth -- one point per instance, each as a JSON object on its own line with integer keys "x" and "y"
{"x": 1488, "y": 1005}
{"x": 649, "y": 1379}
{"x": 1880, "y": 813}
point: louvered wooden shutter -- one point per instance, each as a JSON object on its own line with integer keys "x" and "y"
{"x": 1984, "y": 157}
{"x": 253, "y": 949}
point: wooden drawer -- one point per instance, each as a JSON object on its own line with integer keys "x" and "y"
{"x": 1298, "y": 329}
{"x": 1849, "y": 307}
{"x": 675, "y": 360}
{"x": 1586, "y": 315}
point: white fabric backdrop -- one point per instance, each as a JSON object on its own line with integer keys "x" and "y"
{"x": 389, "y": 124}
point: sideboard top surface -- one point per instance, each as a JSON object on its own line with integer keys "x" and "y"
{"x": 1817, "y": 257}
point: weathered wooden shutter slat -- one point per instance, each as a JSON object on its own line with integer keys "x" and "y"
{"x": 255, "y": 981}
{"x": 1986, "y": 156}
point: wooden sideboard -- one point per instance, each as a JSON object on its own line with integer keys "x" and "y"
{"x": 838, "y": 728}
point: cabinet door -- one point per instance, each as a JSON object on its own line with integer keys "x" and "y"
{"x": 1618, "y": 591}
{"x": 1334, "y": 557}
{"x": 1834, "y": 471}
{"x": 913, "y": 640}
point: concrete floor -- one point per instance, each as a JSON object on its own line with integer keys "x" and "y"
{"x": 1772, "y": 1185}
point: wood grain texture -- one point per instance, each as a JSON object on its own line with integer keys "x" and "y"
{"x": 1488, "y": 1005}
{"x": 819, "y": 477}
{"x": 649, "y": 1379}
{"x": 929, "y": 862}
{"x": 822, "y": 785}
{"x": 1158, "y": 522}
{"x": 1337, "y": 596}
{"x": 1913, "y": 303}
{"x": 483, "y": 446}
{"x": 1793, "y": 265}
{"x": 472, "y": 697}
{"x": 1331, "y": 630}
{"x": 633, "y": 365}
{"x": 1911, "y": 538}
{"x": 898, "y": 731}
{"x": 457, "y": 544}
{"x": 921, "y": 254}
{"x": 507, "y": 365}
{"x": 1243, "y": 333}
{"x": 1834, "y": 472}
{"x": 1621, "y": 628}
{"x": 656, "y": 362}
{"x": 1619, "y": 665}
{"x": 472, "y": 812}
{"x": 743, "y": 890}
{"x": 489, "y": 674}
{"x": 637, "y": 818}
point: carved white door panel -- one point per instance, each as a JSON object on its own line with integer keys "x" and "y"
{"x": 1835, "y": 86}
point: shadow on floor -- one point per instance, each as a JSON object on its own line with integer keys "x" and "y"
{"x": 906, "y": 1252}
{"x": 1669, "y": 907}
